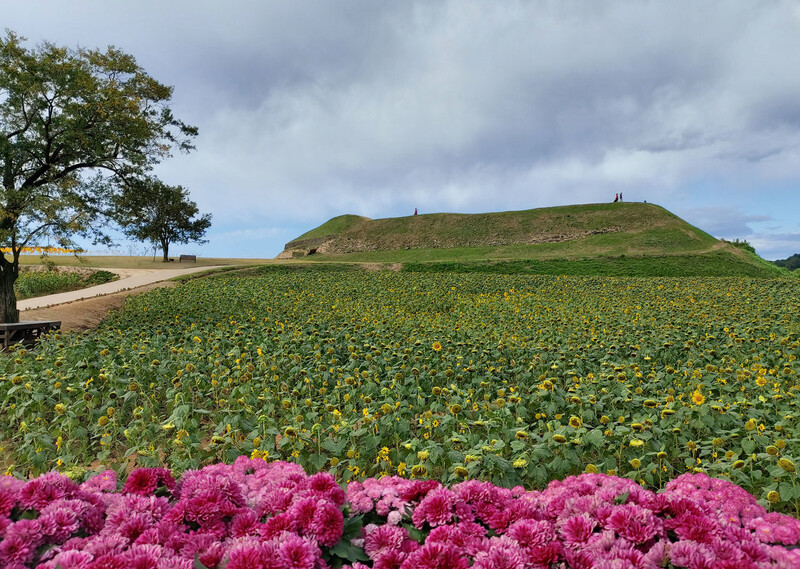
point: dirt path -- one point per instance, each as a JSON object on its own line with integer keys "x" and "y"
{"x": 85, "y": 314}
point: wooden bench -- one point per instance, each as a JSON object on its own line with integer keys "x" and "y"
{"x": 25, "y": 332}
{"x": 188, "y": 258}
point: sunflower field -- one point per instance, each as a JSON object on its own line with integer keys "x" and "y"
{"x": 513, "y": 379}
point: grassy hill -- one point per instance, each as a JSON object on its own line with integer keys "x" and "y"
{"x": 621, "y": 238}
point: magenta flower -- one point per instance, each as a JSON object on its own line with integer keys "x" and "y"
{"x": 384, "y": 538}
{"x": 691, "y": 554}
{"x": 634, "y": 523}
{"x": 145, "y": 481}
{"x": 581, "y": 559}
{"x": 325, "y": 485}
{"x": 72, "y": 559}
{"x": 531, "y": 533}
{"x": 271, "y": 515}
{"x": 702, "y": 529}
{"x": 576, "y": 530}
{"x": 501, "y": 556}
{"x": 49, "y": 487}
{"x": 61, "y": 519}
{"x": 245, "y": 523}
{"x": 102, "y": 545}
{"x": 17, "y": 548}
{"x": 279, "y": 524}
{"x": 297, "y": 553}
{"x": 7, "y": 502}
{"x": 435, "y": 556}
{"x": 416, "y": 490}
{"x": 776, "y": 528}
{"x": 469, "y": 537}
{"x": 141, "y": 481}
{"x": 247, "y": 554}
{"x": 544, "y": 555}
{"x": 435, "y": 509}
{"x": 105, "y": 481}
{"x": 328, "y": 524}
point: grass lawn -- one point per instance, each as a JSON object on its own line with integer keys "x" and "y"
{"x": 128, "y": 262}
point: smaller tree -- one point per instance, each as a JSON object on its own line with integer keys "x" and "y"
{"x": 150, "y": 210}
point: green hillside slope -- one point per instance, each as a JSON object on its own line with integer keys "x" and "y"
{"x": 547, "y": 235}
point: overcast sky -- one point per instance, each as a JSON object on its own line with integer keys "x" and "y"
{"x": 309, "y": 110}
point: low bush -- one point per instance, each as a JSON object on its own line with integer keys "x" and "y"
{"x": 259, "y": 515}
{"x": 31, "y": 284}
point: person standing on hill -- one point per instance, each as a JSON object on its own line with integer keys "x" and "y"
{"x": 620, "y": 196}
{"x": 616, "y": 198}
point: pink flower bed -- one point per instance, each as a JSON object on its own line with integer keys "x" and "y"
{"x": 258, "y": 515}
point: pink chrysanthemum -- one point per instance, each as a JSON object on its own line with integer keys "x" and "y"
{"x": 108, "y": 561}
{"x": 579, "y": 558}
{"x": 72, "y": 560}
{"x": 544, "y": 555}
{"x": 417, "y": 489}
{"x": 16, "y": 549}
{"x": 776, "y": 528}
{"x": 274, "y": 501}
{"x": 468, "y": 537}
{"x": 435, "y": 556}
{"x": 691, "y": 554}
{"x": 435, "y": 509}
{"x": 246, "y": 554}
{"x": 702, "y": 529}
{"x": 303, "y": 511}
{"x": 328, "y": 524}
{"x": 324, "y": 484}
{"x": 245, "y": 524}
{"x": 390, "y": 560}
{"x": 276, "y": 525}
{"x": 141, "y": 481}
{"x": 575, "y": 531}
{"x": 634, "y": 523}
{"x": 38, "y": 493}
{"x": 7, "y": 502}
{"x": 297, "y": 553}
{"x": 105, "y": 481}
{"x": 530, "y": 533}
{"x": 62, "y": 519}
{"x": 501, "y": 556}
{"x": 382, "y": 539}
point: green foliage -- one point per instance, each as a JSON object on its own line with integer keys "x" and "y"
{"x": 516, "y": 379}
{"x": 792, "y": 263}
{"x": 34, "y": 283}
{"x": 714, "y": 264}
{"x": 74, "y": 123}
{"x": 149, "y": 210}
{"x": 743, "y": 244}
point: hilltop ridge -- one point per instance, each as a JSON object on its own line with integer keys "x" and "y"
{"x": 637, "y": 225}
{"x": 628, "y": 230}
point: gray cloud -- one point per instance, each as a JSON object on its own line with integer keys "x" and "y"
{"x": 774, "y": 246}
{"x": 310, "y": 109}
{"x": 724, "y": 222}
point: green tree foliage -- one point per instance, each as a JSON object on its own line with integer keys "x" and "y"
{"x": 792, "y": 263}
{"x": 149, "y": 210}
{"x": 743, "y": 244}
{"x": 75, "y": 124}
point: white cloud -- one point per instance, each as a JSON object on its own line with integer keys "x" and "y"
{"x": 308, "y": 110}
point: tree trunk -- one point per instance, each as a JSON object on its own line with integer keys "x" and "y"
{"x": 165, "y": 248}
{"x": 9, "y": 272}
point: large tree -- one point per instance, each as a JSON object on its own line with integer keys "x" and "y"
{"x": 75, "y": 126}
{"x": 150, "y": 210}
